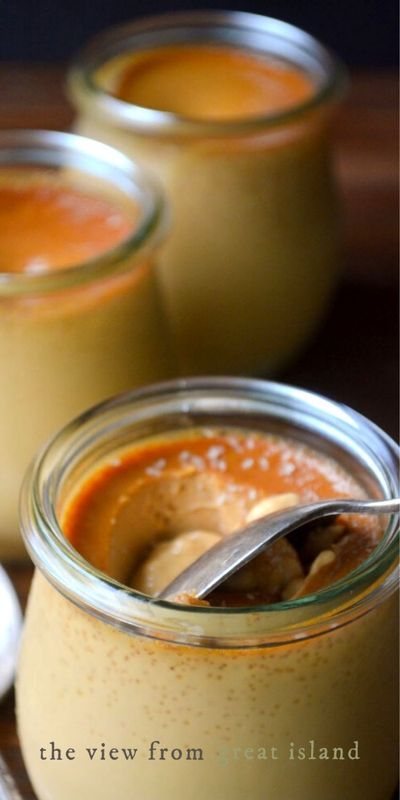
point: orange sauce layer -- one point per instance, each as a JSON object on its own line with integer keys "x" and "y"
{"x": 256, "y": 466}
{"x": 211, "y": 82}
{"x": 46, "y": 225}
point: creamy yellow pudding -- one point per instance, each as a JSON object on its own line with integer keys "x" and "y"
{"x": 74, "y": 327}
{"x": 239, "y": 136}
{"x": 291, "y": 694}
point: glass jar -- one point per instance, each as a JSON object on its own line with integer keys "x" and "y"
{"x": 235, "y": 695}
{"x": 250, "y": 263}
{"x": 72, "y": 337}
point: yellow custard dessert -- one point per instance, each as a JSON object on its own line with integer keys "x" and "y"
{"x": 282, "y": 682}
{"x": 80, "y": 313}
{"x": 238, "y": 134}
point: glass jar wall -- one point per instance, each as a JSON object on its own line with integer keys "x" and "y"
{"x": 240, "y": 694}
{"x": 74, "y": 335}
{"x": 251, "y": 260}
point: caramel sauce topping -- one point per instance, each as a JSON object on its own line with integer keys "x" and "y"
{"x": 47, "y": 225}
{"x": 151, "y": 511}
{"x": 213, "y": 82}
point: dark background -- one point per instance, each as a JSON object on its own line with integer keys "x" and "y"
{"x": 363, "y": 32}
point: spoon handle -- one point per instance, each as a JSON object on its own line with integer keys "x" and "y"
{"x": 236, "y": 550}
{"x": 366, "y": 506}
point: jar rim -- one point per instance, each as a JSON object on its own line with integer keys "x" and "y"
{"x": 84, "y": 87}
{"x": 131, "y": 611}
{"x": 45, "y": 148}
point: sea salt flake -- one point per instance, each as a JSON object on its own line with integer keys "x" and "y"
{"x": 154, "y": 473}
{"x": 197, "y": 461}
{"x": 287, "y": 469}
{"x": 309, "y": 495}
{"x": 215, "y": 451}
{"x": 235, "y": 444}
{"x": 37, "y": 265}
{"x": 247, "y": 463}
{"x": 155, "y": 469}
{"x": 160, "y": 463}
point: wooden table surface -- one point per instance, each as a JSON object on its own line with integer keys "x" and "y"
{"x": 354, "y": 359}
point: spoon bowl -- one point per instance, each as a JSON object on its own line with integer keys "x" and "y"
{"x": 234, "y": 551}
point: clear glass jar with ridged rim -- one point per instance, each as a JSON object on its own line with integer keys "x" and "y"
{"x": 73, "y": 336}
{"x": 247, "y": 690}
{"x": 254, "y": 211}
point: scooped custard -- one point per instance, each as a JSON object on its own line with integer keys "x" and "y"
{"x": 145, "y": 517}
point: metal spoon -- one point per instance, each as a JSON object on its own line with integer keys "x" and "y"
{"x": 236, "y": 550}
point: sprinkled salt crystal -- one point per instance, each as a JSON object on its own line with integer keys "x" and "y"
{"x": 247, "y": 463}
{"x": 215, "y": 451}
{"x": 154, "y": 473}
{"x": 184, "y": 455}
{"x": 208, "y": 433}
{"x": 252, "y": 494}
{"x": 309, "y": 496}
{"x": 287, "y": 469}
{"x": 197, "y": 462}
{"x": 263, "y": 462}
{"x": 37, "y": 265}
{"x": 115, "y": 462}
{"x": 250, "y": 444}
{"x": 235, "y": 444}
{"x": 155, "y": 469}
{"x": 219, "y": 465}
